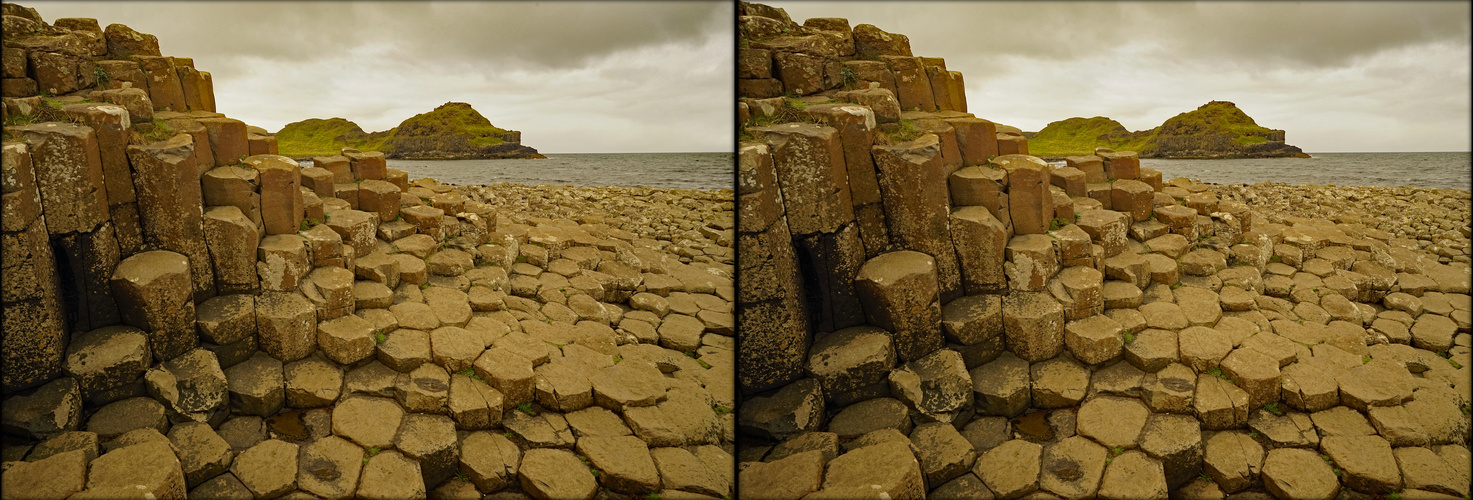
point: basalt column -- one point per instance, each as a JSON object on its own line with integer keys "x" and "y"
{"x": 772, "y": 322}
{"x": 913, "y": 183}
{"x": 811, "y": 173}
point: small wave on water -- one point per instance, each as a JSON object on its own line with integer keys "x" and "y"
{"x": 1427, "y": 170}
{"x": 657, "y": 170}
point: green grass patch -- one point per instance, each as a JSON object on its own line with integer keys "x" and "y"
{"x": 721, "y": 410}
{"x": 1129, "y": 337}
{"x": 449, "y": 123}
{"x": 527, "y": 408}
{"x": 1273, "y": 408}
{"x": 379, "y": 336}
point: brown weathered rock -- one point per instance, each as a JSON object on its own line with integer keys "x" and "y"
{"x": 808, "y": 161}
{"x": 888, "y": 467}
{"x": 57, "y": 476}
{"x": 899, "y": 292}
{"x": 227, "y": 140}
{"x": 1002, "y": 386}
{"x": 980, "y": 241}
{"x": 152, "y": 465}
{"x": 232, "y": 240}
{"x": 1368, "y": 462}
{"x": 153, "y": 289}
{"x": 912, "y": 181}
{"x": 123, "y": 42}
{"x": 285, "y": 323}
{"x": 329, "y": 467}
{"x": 551, "y": 473}
{"x": 391, "y": 475}
{"x": 1133, "y": 475}
{"x": 1011, "y": 470}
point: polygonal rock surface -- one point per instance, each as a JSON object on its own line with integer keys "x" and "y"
{"x": 1298, "y": 473}
{"x": 625, "y": 462}
{"x": 1113, "y": 421}
{"x": 943, "y": 452}
{"x": 57, "y": 476}
{"x": 1233, "y": 459}
{"x": 152, "y": 465}
{"x": 429, "y": 440}
{"x": 935, "y": 384}
{"x": 391, "y": 475}
{"x": 888, "y": 468}
{"x": 370, "y": 422}
{"x": 1010, "y": 470}
{"x": 202, "y": 453}
{"x": 329, "y": 467}
{"x": 1072, "y": 467}
{"x": 555, "y": 474}
{"x": 850, "y": 359}
{"x": 1002, "y": 386}
{"x": 791, "y": 477}
{"x": 1367, "y": 461}
{"x": 268, "y": 469}
{"x": 1133, "y": 475}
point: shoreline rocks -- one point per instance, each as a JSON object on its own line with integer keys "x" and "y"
{"x": 1124, "y": 335}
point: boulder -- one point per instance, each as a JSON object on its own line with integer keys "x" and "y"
{"x": 153, "y": 291}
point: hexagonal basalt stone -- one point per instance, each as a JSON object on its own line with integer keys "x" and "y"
{"x": 107, "y": 358}
{"x": 370, "y": 422}
{"x": 935, "y": 384}
{"x": 256, "y": 386}
{"x": 1002, "y": 386}
{"x": 202, "y": 453}
{"x": 312, "y": 383}
{"x": 849, "y": 360}
{"x": 1058, "y": 382}
{"x": 117, "y": 418}
{"x": 268, "y": 469}
{"x": 329, "y": 467}
{"x": 1113, "y": 421}
{"x": 347, "y": 339}
{"x": 1011, "y": 470}
{"x": 551, "y": 473}
{"x": 430, "y": 439}
{"x": 391, "y": 475}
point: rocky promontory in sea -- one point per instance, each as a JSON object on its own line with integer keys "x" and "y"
{"x": 187, "y": 314}
{"x": 926, "y": 310}
{"x": 453, "y": 131}
{"x": 1215, "y": 130}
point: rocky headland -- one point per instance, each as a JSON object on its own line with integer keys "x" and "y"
{"x": 1216, "y": 130}
{"x": 188, "y": 314}
{"x": 452, "y": 131}
{"x": 928, "y": 311}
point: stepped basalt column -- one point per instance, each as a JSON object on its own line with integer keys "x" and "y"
{"x": 773, "y": 322}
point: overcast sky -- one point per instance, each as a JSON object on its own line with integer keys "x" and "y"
{"x": 1336, "y": 76}
{"x": 573, "y": 77}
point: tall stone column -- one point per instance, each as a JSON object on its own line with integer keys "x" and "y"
{"x": 772, "y": 322}
{"x": 917, "y": 205}
{"x": 34, "y": 339}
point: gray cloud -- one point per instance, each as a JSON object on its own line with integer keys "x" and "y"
{"x": 1337, "y": 76}
{"x": 573, "y": 77}
{"x": 547, "y": 34}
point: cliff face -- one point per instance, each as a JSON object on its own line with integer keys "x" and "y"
{"x": 453, "y": 131}
{"x": 1218, "y": 129}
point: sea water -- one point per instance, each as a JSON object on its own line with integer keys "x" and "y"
{"x": 1428, "y": 170}
{"x": 658, "y": 170}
